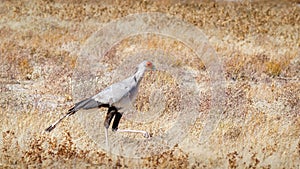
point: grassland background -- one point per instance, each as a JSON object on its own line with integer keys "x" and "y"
{"x": 258, "y": 42}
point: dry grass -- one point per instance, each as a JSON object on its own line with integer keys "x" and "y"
{"x": 257, "y": 41}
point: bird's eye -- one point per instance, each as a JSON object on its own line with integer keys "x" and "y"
{"x": 149, "y": 64}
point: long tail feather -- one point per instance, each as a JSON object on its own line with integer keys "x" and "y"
{"x": 84, "y": 104}
{"x": 52, "y": 126}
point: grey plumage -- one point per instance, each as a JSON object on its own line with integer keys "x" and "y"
{"x": 117, "y": 97}
{"x": 89, "y": 103}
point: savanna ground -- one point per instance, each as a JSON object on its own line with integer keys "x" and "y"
{"x": 257, "y": 42}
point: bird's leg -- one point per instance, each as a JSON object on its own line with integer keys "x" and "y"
{"x": 106, "y": 138}
{"x": 116, "y": 121}
{"x": 110, "y": 114}
{"x": 118, "y": 116}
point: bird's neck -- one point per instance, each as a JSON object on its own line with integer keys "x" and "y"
{"x": 139, "y": 74}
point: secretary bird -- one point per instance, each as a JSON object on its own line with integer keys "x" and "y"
{"x": 116, "y": 97}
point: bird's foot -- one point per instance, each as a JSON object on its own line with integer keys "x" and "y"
{"x": 146, "y": 134}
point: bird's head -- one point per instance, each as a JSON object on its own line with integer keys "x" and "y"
{"x": 147, "y": 65}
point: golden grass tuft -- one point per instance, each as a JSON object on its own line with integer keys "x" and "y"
{"x": 273, "y": 68}
{"x": 25, "y": 68}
